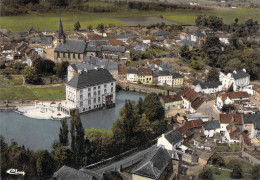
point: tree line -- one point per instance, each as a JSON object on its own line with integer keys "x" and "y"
{"x": 137, "y": 125}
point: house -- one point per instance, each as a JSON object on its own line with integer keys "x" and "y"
{"x": 191, "y": 99}
{"x": 131, "y": 75}
{"x": 31, "y": 30}
{"x": 21, "y": 47}
{"x": 145, "y": 75}
{"x": 41, "y": 43}
{"x": 122, "y": 72}
{"x": 231, "y": 98}
{"x": 68, "y": 173}
{"x": 211, "y": 127}
{"x": 113, "y": 52}
{"x": 255, "y": 132}
{"x": 94, "y": 47}
{"x": 198, "y": 37}
{"x": 223, "y": 37}
{"x": 125, "y": 37}
{"x": 171, "y": 140}
{"x": 208, "y": 32}
{"x": 91, "y": 62}
{"x": 141, "y": 47}
{"x": 148, "y": 39}
{"x": 157, "y": 165}
{"x": 115, "y": 42}
{"x": 161, "y": 32}
{"x": 240, "y": 81}
{"x": 195, "y": 116}
{"x": 249, "y": 120}
{"x": 171, "y": 102}
{"x": 68, "y": 49}
{"x": 158, "y": 65}
{"x": 189, "y": 126}
{"x": 170, "y": 79}
{"x": 177, "y": 79}
{"x": 89, "y": 90}
{"x": 208, "y": 87}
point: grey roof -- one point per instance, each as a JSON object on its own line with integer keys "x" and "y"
{"x": 198, "y": 33}
{"x": 91, "y": 78}
{"x": 112, "y": 65}
{"x": 159, "y": 38}
{"x": 208, "y": 85}
{"x": 154, "y": 165}
{"x": 209, "y": 125}
{"x": 60, "y": 34}
{"x": 173, "y": 137}
{"x": 165, "y": 66}
{"x": 251, "y": 118}
{"x": 196, "y": 82}
{"x": 72, "y": 46}
{"x": 141, "y": 47}
{"x": 125, "y": 36}
{"x": 113, "y": 48}
{"x": 131, "y": 71}
{"x": 91, "y": 48}
{"x": 176, "y": 75}
{"x": 44, "y": 40}
{"x": 239, "y": 74}
{"x": 257, "y": 125}
{"x": 196, "y": 116}
{"x": 95, "y": 61}
{"x": 164, "y": 73}
{"x": 209, "y": 32}
{"x": 68, "y": 173}
{"x": 97, "y": 42}
{"x": 187, "y": 42}
{"x": 161, "y": 32}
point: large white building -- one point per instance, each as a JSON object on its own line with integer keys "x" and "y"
{"x": 239, "y": 79}
{"x": 89, "y": 90}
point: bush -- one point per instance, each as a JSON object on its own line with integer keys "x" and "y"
{"x": 237, "y": 171}
{"x": 207, "y": 173}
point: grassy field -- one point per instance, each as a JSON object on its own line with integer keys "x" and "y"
{"x": 12, "y": 89}
{"x": 225, "y": 148}
{"x": 181, "y": 16}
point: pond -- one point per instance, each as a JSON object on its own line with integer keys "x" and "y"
{"x": 39, "y": 134}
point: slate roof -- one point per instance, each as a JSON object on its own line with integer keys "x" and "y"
{"x": 141, "y": 47}
{"x": 251, "y": 118}
{"x": 112, "y": 65}
{"x": 173, "y": 137}
{"x": 159, "y": 38}
{"x": 198, "y": 34}
{"x": 144, "y": 72}
{"x": 68, "y": 173}
{"x": 131, "y": 71}
{"x": 91, "y": 48}
{"x": 113, "y": 48}
{"x": 44, "y": 40}
{"x": 239, "y": 74}
{"x": 209, "y": 125}
{"x": 72, "y": 46}
{"x": 186, "y": 42}
{"x": 164, "y": 73}
{"x": 209, "y": 85}
{"x": 161, "y": 32}
{"x": 176, "y": 75}
{"x": 257, "y": 125}
{"x": 125, "y": 36}
{"x": 154, "y": 165}
{"x": 91, "y": 78}
{"x": 97, "y": 42}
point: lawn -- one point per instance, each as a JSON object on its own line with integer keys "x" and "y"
{"x": 226, "y": 175}
{"x": 12, "y": 89}
{"x": 181, "y": 16}
{"x": 225, "y": 148}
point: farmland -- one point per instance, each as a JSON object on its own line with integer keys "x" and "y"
{"x": 180, "y": 16}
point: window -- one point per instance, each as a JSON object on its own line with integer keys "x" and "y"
{"x": 105, "y": 90}
{"x": 64, "y": 54}
{"x": 89, "y": 102}
{"x": 81, "y": 104}
{"x": 83, "y": 109}
{"x": 81, "y": 91}
{"x": 112, "y": 89}
{"x": 89, "y": 89}
{"x": 94, "y": 100}
{"x": 58, "y": 54}
{"x": 95, "y": 93}
{"x": 112, "y": 84}
{"x": 89, "y": 95}
{"x": 95, "y": 88}
{"x": 73, "y": 56}
{"x": 99, "y": 92}
{"x": 105, "y": 86}
{"x": 98, "y": 87}
{"x": 81, "y": 97}
{"x": 99, "y": 99}
{"x": 78, "y": 56}
{"x": 68, "y": 55}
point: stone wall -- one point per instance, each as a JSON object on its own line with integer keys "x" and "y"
{"x": 251, "y": 158}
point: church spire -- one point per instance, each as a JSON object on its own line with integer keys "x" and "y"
{"x": 61, "y": 35}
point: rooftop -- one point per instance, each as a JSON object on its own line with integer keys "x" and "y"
{"x": 209, "y": 125}
{"x": 72, "y": 46}
{"x": 228, "y": 118}
{"x": 173, "y": 137}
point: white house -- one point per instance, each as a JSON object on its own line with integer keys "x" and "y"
{"x": 164, "y": 78}
{"x": 131, "y": 75}
{"x": 170, "y": 140}
{"x": 211, "y": 127}
{"x": 255, "y": 132}
{"x": 89, "y": 90}
{"x": 231, "y": 98}
{"x": 196, "y": 116}
{"x": 208, "y": 87}
{"x": 239, "y": 79}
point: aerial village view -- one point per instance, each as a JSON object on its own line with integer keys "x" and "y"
{"x": 130, "y": 89}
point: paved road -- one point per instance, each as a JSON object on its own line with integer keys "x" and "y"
{"x": 127, "y": 162}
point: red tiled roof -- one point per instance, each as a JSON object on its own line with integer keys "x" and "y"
{"x": 233, "y": 95}
{"x": 233, "y": 133}
{"x": 121, "y": 69}
{"x": 115, "y": 42}
{"x": 245, "y": 138}
{"x": 28, "y": 50}
{"x": 94, "y": 37}
{"x": 197, "y": 102}
{"x": 190, "y": 125}
{"x": 157, "y": 61}
{"x": 151, "y": 38}
{"x": 172, "y": 98}
{"x": 228, "y": 118}
{"x": 188, "y": 94}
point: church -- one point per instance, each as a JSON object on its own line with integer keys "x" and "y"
{"x": 70, "y": 50}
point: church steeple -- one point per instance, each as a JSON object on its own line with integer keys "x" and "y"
{"x": 61, "y": 36}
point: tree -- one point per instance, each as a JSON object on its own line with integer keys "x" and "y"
{"x": 61, "y": 69}
{"x": 101, "y": 28}
{"x": 77, "y": 140}
{"x": 77, "y": 26}
{"x": 44, "y": 66}
{"x": 153, "y": 108}
{"x": 60, "y": 154}
{"x": 140, "y": 106}
{"x": 59, "y": 3}
{"x": 218, "y": 160}
{"x": 90, "y": 28}
{"x": 44, "y": 163}
{"x": 237, "y": 171}
{"x": 236, "y": 20}
{"x": 206, "y": 174}
{"x": 31, "y": 76}
{"x": 63, "y": 135}
{"x": 213, "y": 75}
{"x": 185, "y": 52}
{"x": 255, "y": 172}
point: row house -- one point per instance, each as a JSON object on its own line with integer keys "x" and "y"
{"x": 114, "y": 52}
{"x": 131, "y": 75}
{"x": 145, "y": 75}
{"x": 231, "y": 98}
{"x": 170, "y": 79}
{"x": 210, "y": 128}
{"x": 208, "y": 87}
{"x": 89, "y": 90}
{"x": 171, "y": 102}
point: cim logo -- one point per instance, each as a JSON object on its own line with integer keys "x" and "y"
{"x": 15, "y": 172}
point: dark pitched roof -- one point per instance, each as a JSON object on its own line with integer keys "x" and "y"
{"x": 209, "y": 85}
{"x": 131, "y": 71}
{"x": 60, "y": 34}
{"x": 172, "y": 98}
{"x": 154, "y": 165}
{"x": 161, "y": 33}
{"x": 176, "y": 75}
{"x": 72, "y": 46}
{"x": 44, "y": 40}
{"x": 197, "y": 102}
{"x": 198, "y": 33}
{"x": 144, "y": 72}
{"x": 68, "y": 173}
{"x": 97, "y": 42}
{"x": 91, "y": 48}
{"x": 91, "y": 78}
{"x": 228, "y": 118}
{"x": 113, "y": 48}
{"x": 188, "y": 125}
{"x": 209, "y": 125}
{"x": 234, "y": 95}
{"x": 186, "y": 42}
{"x": 251, "y": 118}
{"x": 239, "y": 74}
{"x": 173, "y": 137}
{"x": 188, "y": 94}
{"x": 125, "y": 36}
{"x": 164, "y": 73}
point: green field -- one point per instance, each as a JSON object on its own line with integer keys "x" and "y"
{"x": 182, "y": 16}
{"x": 12, "y": 89}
